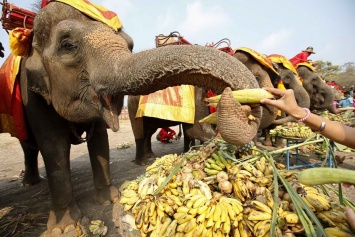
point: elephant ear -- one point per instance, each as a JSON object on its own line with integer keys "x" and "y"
{"x": 37, "y": 77}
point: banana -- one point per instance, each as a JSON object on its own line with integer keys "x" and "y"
{"x": 263, "y": 228}
{"x": 183, "y": 209}
{"x": 129, "y": 193}
{"x": 190, "y": 225}
{"x": 165, "y": 226}
{"x": 237, "y": 205}
{"x": 217, "y": 226}
{"x": 249, "y": 167}
{"x": 269, "y": 198}
{"x": 224, "y": 213}
{"x": 343, "y": 226}
{"x": 153, "y": 220}
{"x": 291, "y": 218}
{"x": 181, "y": 227}
{"x": 308, "y": 203}
{"x": 335, "y": 216}
{"x": 185, "y": 187}
{"x": 199, "y": 229}
{"x": 210, "y": 211}
{"x": 175, "y": 199}
{"x": 139, "y": 219}
{"x": 202, "y": 209}
{"x": 243, "y": 229}
{"x": 226, "y": 227}
{"x": 199, "y": 202}
{"x": 326, "y": 221}
{"x": 230, "y": 209}
{"x": 260, "y": 166}
{"x": 259, "y": 216}
{"x": 333, "y": 231}
{"x": 244, "y": 174}
{"x": 319, "y": 202}
{"x": 261, "y": 206}
{"x": 201, "y": 218}
{"x": 170, "y": 231}
{"x": 217, "y": 213}
{"x": 216, "y": 167}
{"x": 146, "y": 213}
{"x": 184, "y": 217}
{"x": 209, "y": 222}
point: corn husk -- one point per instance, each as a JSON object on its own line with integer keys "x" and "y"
{"x": 245, "y": 96}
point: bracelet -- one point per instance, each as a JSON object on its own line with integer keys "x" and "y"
{"x": 305, "y": 117}
{"x": 321, "y": 128}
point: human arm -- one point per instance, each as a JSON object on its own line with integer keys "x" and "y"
{"x": 285, "y": 101}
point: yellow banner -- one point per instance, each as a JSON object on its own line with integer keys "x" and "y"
{"x": 96, "y": 12}
{"x": 173, "y": 103}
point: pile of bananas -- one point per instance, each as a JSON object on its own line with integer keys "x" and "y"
{"x": 292, "y": 129}
{"x": 213, "y": 193}
{"x": 334, "y": 117}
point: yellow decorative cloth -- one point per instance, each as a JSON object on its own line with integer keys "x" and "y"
{"x": 96, "y": 12}
{"x": 20, "y": 41}
{"x": 276, "y": 58}
{"x": 259, "y": 57}
{"x": 309, "y": 65}
{"x": 173, "y": 103}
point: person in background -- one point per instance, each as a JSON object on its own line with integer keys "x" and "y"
{"x": 351, "y": 91}
{"x": 302, "y": 57}
{"x": 337, "y": 132}
{"x": 347, "y": 101}
{"x": 166, "y": 135}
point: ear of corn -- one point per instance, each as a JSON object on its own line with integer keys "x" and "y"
{"x": 245, "y": 96}
{"x": 211, "y": 118}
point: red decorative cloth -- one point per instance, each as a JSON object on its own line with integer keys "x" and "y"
{"x": 210, "y": 93}
{"x": 166, "y": 134}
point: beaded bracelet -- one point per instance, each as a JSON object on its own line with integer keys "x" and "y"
{"x": 305, "y": 117}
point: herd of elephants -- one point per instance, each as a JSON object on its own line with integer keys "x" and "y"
{"x": 67, "y": 91}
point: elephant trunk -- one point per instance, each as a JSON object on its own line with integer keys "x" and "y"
{"x": 156, "y": 69}
{"x": 234, "y": 122}
{"x": 148, "y": 71}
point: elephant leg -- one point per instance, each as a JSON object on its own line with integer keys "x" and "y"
{"x": 279, "y": 142}
{"x": 98, "y": 146}
{"x": 267, "y": 141}
{"x": 188, "y": 141}
{"x": 31, "y": 176}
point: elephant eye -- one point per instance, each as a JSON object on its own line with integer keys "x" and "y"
{"x": 67, "y": 45}
{"x": 257, "y": 78}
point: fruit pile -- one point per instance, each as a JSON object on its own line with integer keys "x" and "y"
{"x": 292, "y": 129}
{"x": 334, "y": 117}
{"x": 212, "y": 192}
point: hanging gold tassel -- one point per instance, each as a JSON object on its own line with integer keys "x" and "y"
{"x": 20, "y": 41}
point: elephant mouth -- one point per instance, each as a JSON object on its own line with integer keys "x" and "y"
{"x": 110, "y": 112}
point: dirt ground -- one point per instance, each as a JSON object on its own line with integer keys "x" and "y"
{"x": 24, "y": 210}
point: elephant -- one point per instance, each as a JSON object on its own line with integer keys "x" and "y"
{"x": 73, "y": 80}
{"x": 144, "y": 127}
{"x": 268, "y": 74}
{"x": 321, "y": 95}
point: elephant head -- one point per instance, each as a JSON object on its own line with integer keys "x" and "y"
{"x": 94, "y": 66}
{"x": 320, "y": 93}
{"x": 264, "y": 74}
{"x": 290, "y": 80}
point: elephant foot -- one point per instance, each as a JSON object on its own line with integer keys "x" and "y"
{"x": 107, "y": 195}
{"x": 267, "y": 143}
{"x": 143, "y": 162}
{"x": 63, "y": 221}
{"x": 279, "y": 144}
{"x": 30, "y": 179}
{"x": 149, "y": 155}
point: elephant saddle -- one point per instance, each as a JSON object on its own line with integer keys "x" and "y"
{"x": 12, "y": 118}
{"x": 173, "y": 103}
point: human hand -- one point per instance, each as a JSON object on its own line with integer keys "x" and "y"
{"x": 350, "y": 217}
{"x": 285, "y": 100}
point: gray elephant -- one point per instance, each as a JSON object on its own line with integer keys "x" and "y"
{"x": 269, "y": 72}
{"x": 321, "y": 95}
{"x": 73, "y": 81}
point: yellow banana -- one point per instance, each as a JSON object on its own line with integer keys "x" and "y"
{"x": 308, "y": 203}
{"x": 170, "y": 231}
{"x": 199, "y": 229}
{"x": 217, "y": 226}
{"x": 165, "y": 226}
{"x": 291, "y": 218}
{"x": 209, "y": 222}
{"x": 226, "y": 227}
{"x": 260, "y": 166}
{"x": 263, "y": 228}
{"x": 261, "y": 206}
{"x": 139, "y": 219}
{"x": 259, "y": 216}
{"x": 243, "y": 229}
{"x": 129, "y": 193}
{"x": 333, "y": 231}
{"x": 199, "y": 202}
{"x": 269, "y": 198}
{"x": 217, "y": 213}
{"x": 181, "y": 227}
{"x": 210, "y": 211}
{"x": 183, "y": 218}
{"x": 326, "y": 221}
{"x": 190, "y": 225}
{"x": 175, "y": 199}
{"x": 343, "y": 226}
{"x": 224, "y": 213}
{"x": 319, "y": 202}
{"x": 183, "y": 209}
{"x": 335, "y": 215}
{"x": 185, "y": 187}
{"x": 201, "y": 218}
{"x": 203, "y": 208}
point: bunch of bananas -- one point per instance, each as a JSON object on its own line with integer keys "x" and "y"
{"x": 216, "y": 194}
{"x": 292, "y": 129}
{"x": 334, "y": 117}
{"x": 98, "y": 228}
